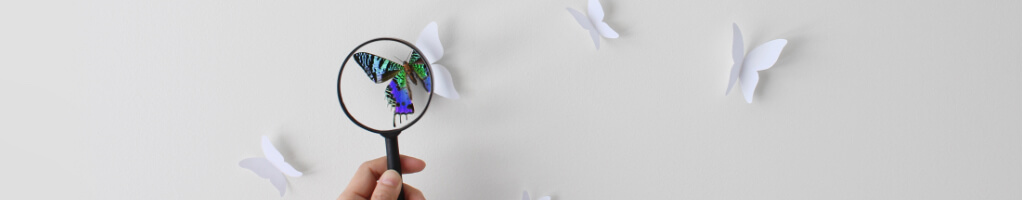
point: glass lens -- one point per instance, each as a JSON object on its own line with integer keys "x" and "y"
{"x": 384, "y": 85}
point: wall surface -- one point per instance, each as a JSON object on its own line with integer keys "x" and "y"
{"x": 870, "y": 100}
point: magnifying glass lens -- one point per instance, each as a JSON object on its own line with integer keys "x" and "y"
{"x": 385, "y": 85}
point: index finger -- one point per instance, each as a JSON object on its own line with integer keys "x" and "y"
{"x": 365, "y": 178}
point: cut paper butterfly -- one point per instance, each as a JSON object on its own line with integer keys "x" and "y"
{"x": 272, "y": 166}
{"x": 525, "y": 196}
{"x": 397, "y": 92}
{"x": 595, "y": 22}
{"x": 429, "y": 43}
{"x": 745, "y": 69}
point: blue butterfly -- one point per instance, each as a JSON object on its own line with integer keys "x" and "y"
{"x": 398, "y": 95}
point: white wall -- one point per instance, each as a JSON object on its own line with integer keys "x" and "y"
{"x": 870, "y": 100}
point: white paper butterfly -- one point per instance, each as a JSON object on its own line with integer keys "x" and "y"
{"x": 429, "y": 43}
{"x": 525, "y": 196}
{"x": 758, "y": 59}
{"x": 271, "y": 167}
{"x": 595, "y": 23}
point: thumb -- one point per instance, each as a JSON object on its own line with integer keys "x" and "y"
{"x": 388, "y": 186}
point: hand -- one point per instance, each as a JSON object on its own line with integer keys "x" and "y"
{"x": 374, "y": 181}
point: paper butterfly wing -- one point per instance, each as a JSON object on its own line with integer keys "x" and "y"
{"x": 765, "y": 55}
{"x": 587, "y": 24}
{"x": 583, "y": 21}
{"x": 429, "y": 43}
{"x": 605, "y": 30}
{"x": 378, "y": 69}
{"x": 596, "y": 13}
{"x": 525, "y": 196}
{"x": 760, "y": 58}
{"x": 277, "y": 160}
{"x": 748, "y": 82}
{"x": 737, "y": 57}
{"x": 263, "y": 168}
{"x": 444, "y": 86}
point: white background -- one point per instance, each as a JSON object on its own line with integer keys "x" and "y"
{"x": 870, "y": 100}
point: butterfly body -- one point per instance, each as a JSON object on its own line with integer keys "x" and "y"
{"x": 398, "y": 94}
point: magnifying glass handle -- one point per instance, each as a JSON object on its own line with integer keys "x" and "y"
{"x": 393, "y": 158}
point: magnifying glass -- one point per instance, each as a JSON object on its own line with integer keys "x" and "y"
{"x": 387, "y": 90}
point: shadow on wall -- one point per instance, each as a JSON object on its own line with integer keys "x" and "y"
{"x": 792, "y": 58}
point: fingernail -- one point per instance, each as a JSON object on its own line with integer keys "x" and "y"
{"x": 390, "y": 178}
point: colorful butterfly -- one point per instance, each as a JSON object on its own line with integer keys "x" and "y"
{"x": 398, "y": 94}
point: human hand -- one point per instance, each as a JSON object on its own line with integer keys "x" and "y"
{"x": 374, "y": 181}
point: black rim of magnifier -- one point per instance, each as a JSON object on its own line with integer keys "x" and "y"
{"x": 392, "y": 132}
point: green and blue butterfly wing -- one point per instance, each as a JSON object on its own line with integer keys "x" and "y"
{"x": 399, "y": 96}
{"x": 420, "y": 70}
{"x": 379, "y": 70}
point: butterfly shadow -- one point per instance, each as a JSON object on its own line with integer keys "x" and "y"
{"x": 792, "y": 58}
{"x": 447, "y": 39}
{"x": 288, "y": 152}
{"x": 610, "y": 19}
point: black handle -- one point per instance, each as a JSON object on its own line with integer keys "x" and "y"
{"x": 393, "y": 159}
